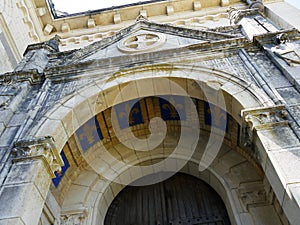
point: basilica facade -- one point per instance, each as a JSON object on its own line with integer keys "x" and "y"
{"x": 153, "y": 113}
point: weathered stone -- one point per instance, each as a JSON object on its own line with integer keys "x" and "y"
{"x": 246, "y": 65}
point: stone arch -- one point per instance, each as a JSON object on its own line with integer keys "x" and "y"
{"x": 74, "y": 111}
{"x": 222, "y": 176}
{"x": 71, "y": 112}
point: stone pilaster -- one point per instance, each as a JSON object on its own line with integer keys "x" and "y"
{"x": 26, "y": 186}
{"x": 277, "y": 147}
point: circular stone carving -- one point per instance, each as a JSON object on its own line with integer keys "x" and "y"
{"x": 141, "y": 42}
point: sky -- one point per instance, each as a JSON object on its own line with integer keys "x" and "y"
{"x": 74, "y": 6}
{"x": 295, "y": 3}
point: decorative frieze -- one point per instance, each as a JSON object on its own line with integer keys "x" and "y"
{"x": 42, "y": 148}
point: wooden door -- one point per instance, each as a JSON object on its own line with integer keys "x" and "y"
{"x": 180, "y": 200}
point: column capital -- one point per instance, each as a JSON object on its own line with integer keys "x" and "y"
{"x": 39, "y": 148}
{"x": 76, "y": 217}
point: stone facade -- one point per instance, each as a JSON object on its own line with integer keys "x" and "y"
{"x": 81, "y": 106}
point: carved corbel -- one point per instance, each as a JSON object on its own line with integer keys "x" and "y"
{"x": 41, "y": 148}
{"x": 76, "y": 217}
{"x": 235, "y": 15}
{"x": 262, "y": 118}
{"x": 252, "y": 194}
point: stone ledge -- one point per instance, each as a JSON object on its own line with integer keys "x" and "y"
{"x": 42, "y": 148}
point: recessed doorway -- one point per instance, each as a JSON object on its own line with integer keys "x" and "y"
{"x": 180, "y": 200}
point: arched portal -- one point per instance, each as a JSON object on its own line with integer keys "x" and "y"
{"x": 86, "y": 196}
{"x": 182, "y": 199}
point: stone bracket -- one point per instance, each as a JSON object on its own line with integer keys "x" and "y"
{"x": 261, "y": 119}
{"x": 74, "y": 217}
{"x": 266, "y": 118}
{"x": 253, "y": 194}
{"x": 41, "y": 148}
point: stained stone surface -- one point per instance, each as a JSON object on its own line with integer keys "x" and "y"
{"x": 61, "y": 93}
{"x": 290, "y": 95}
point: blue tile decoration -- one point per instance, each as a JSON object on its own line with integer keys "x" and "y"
{"x": 129, "y": 113}
{"x": 172, "y": 106}
{"x": 215, "y": 116}
{"x": 64, "y": 168}
{"x": 89, "y": 134}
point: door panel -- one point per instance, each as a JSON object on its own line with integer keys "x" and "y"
{"x": 180, "y": 200}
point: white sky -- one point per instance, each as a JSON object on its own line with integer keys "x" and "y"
{"x": 73, "y": 6}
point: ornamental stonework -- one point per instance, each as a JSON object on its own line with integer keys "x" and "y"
{"x": 43, "y": 148}
{"x": 264, "y": 118}
{"x": 142, "y": 41}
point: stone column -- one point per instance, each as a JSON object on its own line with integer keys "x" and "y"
{"x": 278, "y": 149}
{"x": 25, "y": 189}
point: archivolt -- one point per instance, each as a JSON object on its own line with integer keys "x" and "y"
{"x": 73, "y": 111}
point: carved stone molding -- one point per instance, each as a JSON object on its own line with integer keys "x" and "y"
{"x": 266, "y": 118}
{"x": 253, "y": 194}
{"x": 141, "y": 41}
{"x": 262, "y": 119}
{"x": 235, "y": 15}
{"x": 42, "y": 148}
{"x": 76, "y": 217}
{"x": 27, "y": 20}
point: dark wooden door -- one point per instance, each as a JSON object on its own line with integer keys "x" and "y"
{"x": 180, "y": 200}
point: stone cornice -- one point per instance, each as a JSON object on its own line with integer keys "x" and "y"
{"x": 42, "y": 148}
{"x": 67, "y": 66}
{"x": 76, "y": 69}
{"x": 91, "y": 22}
{"x": 211, "y": 36}
{"x": 71, "y": 65}
{"x": 270, "y": 38}
{"x": 32, "y": 76}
